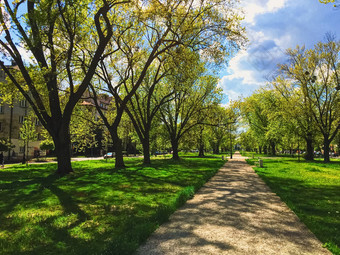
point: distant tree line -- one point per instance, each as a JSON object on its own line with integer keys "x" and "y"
{"x": 300, "y": 105}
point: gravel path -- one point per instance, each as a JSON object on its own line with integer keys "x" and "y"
{"x": 234, "y": 213}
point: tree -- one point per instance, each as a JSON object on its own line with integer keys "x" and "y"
{"x": 248, "y": 141}
{"x": 194, "y": 93}
{"x": 314, "y": 73}
{"x": 145, "y": 103}
{"x": 264, "y": 117}
{"x": 28, "y": 134}
{"x": 219, "y": 123}
{"x": 85, "y": 127}
{"x": 46, "y": 145}
{"x": 4, "y": 145}
{"x": 53, "y": 33}
{"x": 296, "y": 111}
{"x": 209, "y": 27}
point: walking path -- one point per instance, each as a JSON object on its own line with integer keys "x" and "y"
{"x": 234, "y": 213}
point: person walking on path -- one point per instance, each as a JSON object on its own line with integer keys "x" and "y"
{"x": 234, "y": 213}
{"x": 2, "y": 160}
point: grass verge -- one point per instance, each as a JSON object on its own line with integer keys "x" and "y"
{"x": 311, "y": 190}
{"x": 96, "y": 210}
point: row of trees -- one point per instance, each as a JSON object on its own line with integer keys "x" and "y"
{"x": 149, "y": 56}
{"x": 302, "y": 101}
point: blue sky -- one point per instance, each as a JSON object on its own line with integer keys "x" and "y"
{"x": 272, "y": 27}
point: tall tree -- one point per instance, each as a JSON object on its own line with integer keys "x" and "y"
{"x": 28, "y": 134}
{"x": 194, "y": 93}
{"x": 52, "y": 32}
{"x": 145, "y": 103}
{"x": 263, "y": 115}
{"x": 153, "y": 29}
{"x": 297, "y": 113}
{"x": 315, "y": 73}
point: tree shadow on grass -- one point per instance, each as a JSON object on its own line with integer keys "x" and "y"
{"x": 98, "y": 188}
{"x": 28, "y": 197}
{"x": 315, "y": 205}
{"x": 239, "y": 201}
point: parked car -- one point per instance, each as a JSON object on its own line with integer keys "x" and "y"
{"x": 109, "y": 155}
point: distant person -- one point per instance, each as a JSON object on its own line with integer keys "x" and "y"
{"x": 2, "y": 160}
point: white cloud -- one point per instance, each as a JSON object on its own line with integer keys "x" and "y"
{"x": 272, "y": 27}
{"x": 25, "y": 55}
{"x": 257, "y": 7}
{"x": 241, "y": 67}
{"x": 233, "y": 95}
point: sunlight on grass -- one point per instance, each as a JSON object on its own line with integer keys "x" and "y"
{"x": 311, "y": 190}
{"x": 96, "y": 209}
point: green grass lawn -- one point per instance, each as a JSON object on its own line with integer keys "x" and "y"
{"x": 96, "y": 210}
{"x": 311, "y": 190}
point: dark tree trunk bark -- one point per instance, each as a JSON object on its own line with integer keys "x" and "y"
{"x": 201, "y": 145}
{"x": 326, "y": 148}
{"x": 118, "y": 148}
{"x": 174, "y": 144}
{"x": 146, "y": 150}
{"x": 216, "y": 149}
{"x": 310, "y": 148}
{"x": 63, "y": 150}
{"x": 260, "y": 149}
{"x": 10, "y": 132}
{"x": 201, "y": 151}
{"x": 272, "y": 145}
{"x": 265, "y": 149}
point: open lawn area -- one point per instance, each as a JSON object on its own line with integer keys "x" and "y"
{"x": 96, "y": 210}
{"x": 311, "y": 190}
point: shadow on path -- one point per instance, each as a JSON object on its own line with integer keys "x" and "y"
{"x": 234, "y": 213}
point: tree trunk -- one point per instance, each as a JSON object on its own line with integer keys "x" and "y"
{"x": 216, "y": 149}
{"x": 201, "y": 151}
{"x": 265, "y": 149}
{"x": 260, "y": 149}
{"x": 326, "y": 148}
{"x": 63, "y": 150}
{"x": 118, "y": 148}
{"x": 146, "y": 150}
{"x": 201, "y": 144}
{"x": 174, "y": 144}
{"x": 10, "y": 132}
{"x": 310, "y": 148}
{"x": 272, "y": 145}
{"x": 27, "y": 155}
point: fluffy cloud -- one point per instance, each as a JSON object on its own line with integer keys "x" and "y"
{"x": 256, "y": 7}
{"x": 272, "y": 27}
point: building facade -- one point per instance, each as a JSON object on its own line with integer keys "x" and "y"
{"x": 12, "y": 118}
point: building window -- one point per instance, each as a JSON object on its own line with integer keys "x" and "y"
{"x": 21, "y": 119}
{"x": 1, "y": 108}
{"x": 37, "y": 122}
{"x": 22, "y": 149}
{"x": 23, "y": 103}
